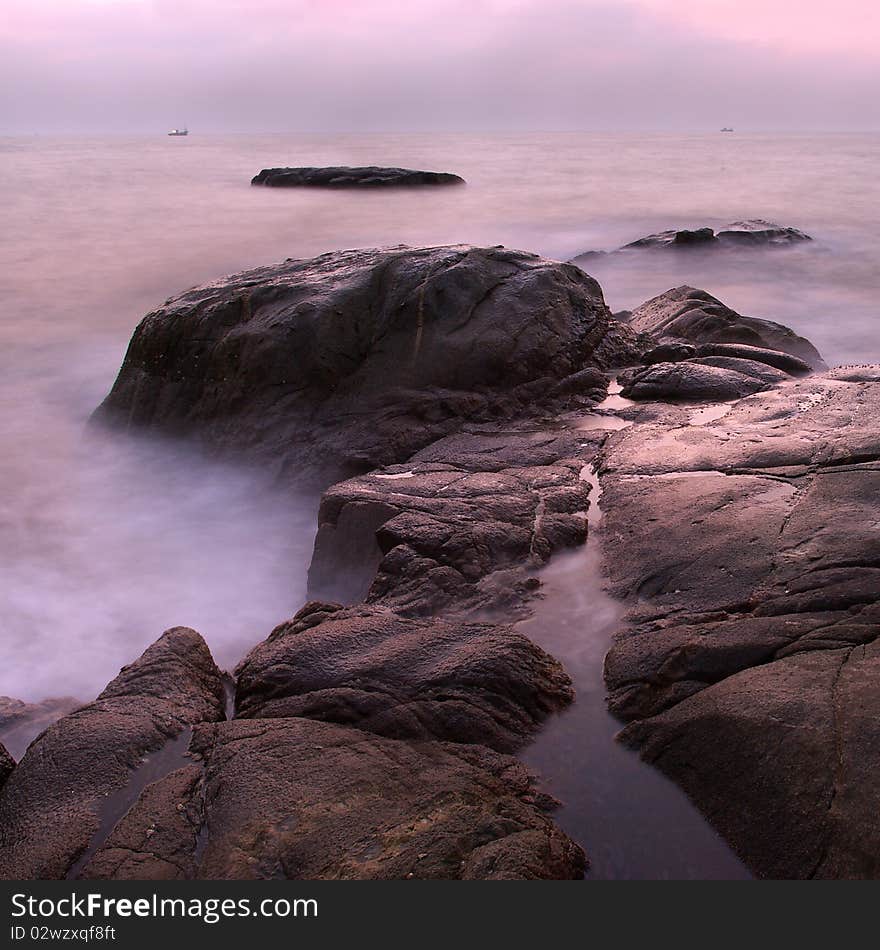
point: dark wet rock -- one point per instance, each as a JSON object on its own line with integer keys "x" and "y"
{"x": 50, "y": 806}
{"x": 749, "y": 551}
{"x": 785, "y": 361}
{"x": 451, "y": 534}
{"x": 751, "y": 233}
{"x": 669, "y": 353}
{"x": 157, "y": 839}
{"x": 357, "y": 359}
{"x": 700, "y": 237}
{"x": 347, "y": 177}
{"x": 294, "y": 798}
{"x": 745, "y": 367}
{"x": 7, "y": 764}
{"x": 689, "y": 381}
{"x": 760, "y": 232}
{"x": 688, "y": 315}
{"x": 431, "y": 532}
{"x": 20, "y": 722}
{"x": 403, "y": 678}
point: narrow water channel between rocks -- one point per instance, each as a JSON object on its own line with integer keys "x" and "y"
{"x": 631, "y": 820}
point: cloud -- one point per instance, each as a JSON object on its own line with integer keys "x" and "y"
{"x": 439, "y": 64}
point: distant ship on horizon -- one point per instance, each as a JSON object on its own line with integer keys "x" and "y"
{"x": 183, "y": 131}
{"x": 726, "y": 128}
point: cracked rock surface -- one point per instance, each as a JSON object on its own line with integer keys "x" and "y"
{"x": 749, "y": 549}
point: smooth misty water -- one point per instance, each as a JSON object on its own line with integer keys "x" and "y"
{"x": 633, "y": 822}
{"x": 105, "y": 542}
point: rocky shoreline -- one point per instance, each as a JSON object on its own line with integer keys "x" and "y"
{"x": 450, "y": 403}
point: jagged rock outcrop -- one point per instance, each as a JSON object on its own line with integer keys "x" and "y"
{"x": 57, "y": 801}
{"x": 429, "y": 531}
{"x": 357, "y": 359}
{"x": 370, "y": 176}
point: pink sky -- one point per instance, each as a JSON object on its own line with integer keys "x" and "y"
{"x": 72, "y": 65}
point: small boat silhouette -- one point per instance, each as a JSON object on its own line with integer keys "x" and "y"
{"x": 727, "y": 128}
{"x": 183, "y": 131}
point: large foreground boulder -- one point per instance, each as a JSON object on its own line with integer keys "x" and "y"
{"x": 80, "y": 775}
{"x": 348, "y": 177}
{"x": 359, "y": 358}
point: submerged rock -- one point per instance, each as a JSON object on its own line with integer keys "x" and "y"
{"x": 359, "y": 358}
{"x": 348, "y": 177}
{"x": 758, "y": 231}
{"x": 755, "y": 232}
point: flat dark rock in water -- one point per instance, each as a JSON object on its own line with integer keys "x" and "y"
{"x": 345, "y": 177}
{"x": 751, "y": 233}
{"x": 357, "y": 359}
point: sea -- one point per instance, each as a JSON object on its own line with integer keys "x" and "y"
{"x": 106, "y": 541}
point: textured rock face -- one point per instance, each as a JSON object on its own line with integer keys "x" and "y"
{"x": 750, "y": 551}
{"x": 346, "y": 177}
{"x": 755, "y": 232}
{"x": 51, "y": 806}
{"x": 451, "y": 535}
{"x": 707, "y": 352}
{"x": 148, "y": 782}
{"x": 688, "y": 315}
{"x": 292, "y": 798}
{"x": 7, "y": 764}
{"x": 359, "y": 358}
{"x": 693, "y": 380}
{"x": 403, "y": 678}
{"x": 440, "y": 524}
